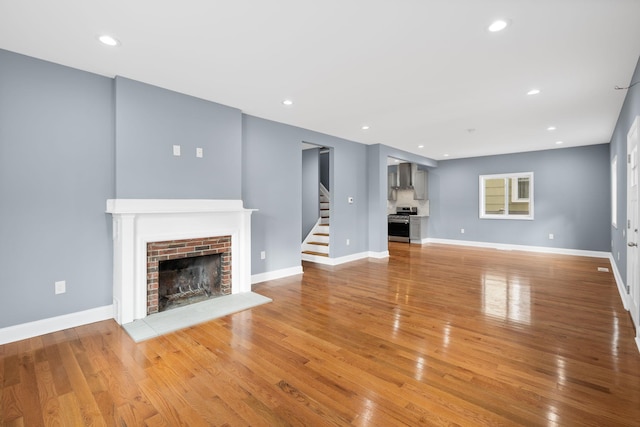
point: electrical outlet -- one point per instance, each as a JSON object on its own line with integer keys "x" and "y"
{"x": 199, "y": 153}
{"x": 176, "y": 150}
{"x": 462, "y": 231}
{"x": 551, "y": 236}
{"x": 60, "y": 287}
{"x": 263, "y": 255}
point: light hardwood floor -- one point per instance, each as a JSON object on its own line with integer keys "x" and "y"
{"x": 435, "y": 335}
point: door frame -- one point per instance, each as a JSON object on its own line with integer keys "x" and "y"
{"x": 633, "y": 235}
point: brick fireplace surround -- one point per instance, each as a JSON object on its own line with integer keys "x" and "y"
{"x": 138, "y": 222}
{"x": 188, "y": 248}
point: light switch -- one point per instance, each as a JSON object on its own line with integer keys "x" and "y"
{"x": 60, "y": 287}
{"x": 199, "y": 153}
{"x": 176, "y": 150}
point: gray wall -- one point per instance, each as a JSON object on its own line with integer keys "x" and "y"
{"x": 271, "y": 183}
{"x": 56, "y": 171}
{"x": 571, "y": 199}
{"x": 349, "y": 221}
{"x": 630, "y": 109}
{"x": 150, "y": 120}
{"x": 310, "y": 189}
{"x": 272, "y": 176}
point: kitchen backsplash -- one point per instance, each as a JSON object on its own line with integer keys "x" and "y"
{"x": 405, "y": 198}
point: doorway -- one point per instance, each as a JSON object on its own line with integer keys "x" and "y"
{"x": 316, "y": 201}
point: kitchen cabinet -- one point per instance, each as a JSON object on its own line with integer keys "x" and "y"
{"x": 420, "y": 185}
{"x": 417, "y": 228}
{"x": 392, "y": 192}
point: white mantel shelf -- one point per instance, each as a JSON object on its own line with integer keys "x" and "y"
{"x": 137, "y": 222}
{"x": 151, "y": 206}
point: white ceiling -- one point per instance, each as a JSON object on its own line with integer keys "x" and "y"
{"x": 418, "y": 72}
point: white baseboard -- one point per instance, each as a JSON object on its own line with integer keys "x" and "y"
{"x": 620, "y": 283}
{"x": 277, "y": 274}
{"x": 378, "y": 255}
{"x": 508, "y": 247}
{"x": 54, "y": 324}
{"x": 624, "y": 296}
{"x": 344, "y": 259}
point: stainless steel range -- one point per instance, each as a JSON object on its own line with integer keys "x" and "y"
{"x": 398, "y": 223}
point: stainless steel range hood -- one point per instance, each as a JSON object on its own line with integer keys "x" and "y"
{"x": 405, "y": 179}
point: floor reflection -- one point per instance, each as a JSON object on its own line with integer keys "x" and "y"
{"x": 508, "y": 298}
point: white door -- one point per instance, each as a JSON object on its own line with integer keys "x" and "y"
{"x": 633, "y": 235}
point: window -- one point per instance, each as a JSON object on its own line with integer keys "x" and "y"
{"x": 614, "y": 191}
{"x": 520, "y": 189}
{"x": 506, "y": 196}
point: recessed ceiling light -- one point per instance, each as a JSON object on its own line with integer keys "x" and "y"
{"x": 551, "y": 128}
{"x": 498, "y": 25}
{"x": 533, "y": 92}
{"x": 108, "y": 40}
{"x": 559, "y": 142}
{"x": 420, "y": 146}
{"x": 365, "y": 127}
{"x": 445, "y": 155}
{"x": 287, "y": 102}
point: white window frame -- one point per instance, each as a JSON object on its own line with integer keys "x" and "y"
{"x": 506, "y": 177}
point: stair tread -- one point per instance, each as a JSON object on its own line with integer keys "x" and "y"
{"x": 321, "y": 234}
{"x": 315, "y": 253}
{"x": 318, "y": 243}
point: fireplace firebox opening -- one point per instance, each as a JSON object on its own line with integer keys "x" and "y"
{"x": 189, "y": 280}
{"x": 181, "y": 272}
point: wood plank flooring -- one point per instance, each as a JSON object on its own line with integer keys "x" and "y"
{"x": 435, "y": 335}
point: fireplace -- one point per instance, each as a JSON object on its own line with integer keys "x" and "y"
{"x": 182, "y": 272}
{"x": 137, "y": 223}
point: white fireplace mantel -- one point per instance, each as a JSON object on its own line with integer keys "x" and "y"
{"x": 137, "y": 222}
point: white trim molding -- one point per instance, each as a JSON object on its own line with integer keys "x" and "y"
{"x": 624, "y": 296}
{"x": 277, "y": 274}
{"x": 509, "y": 247}
{"x": 54, "y": 324}
{"x": 619, "y": 282}
{"x": 344, "y": 259}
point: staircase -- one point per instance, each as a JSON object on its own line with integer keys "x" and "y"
{"x": 316, "y": 244}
